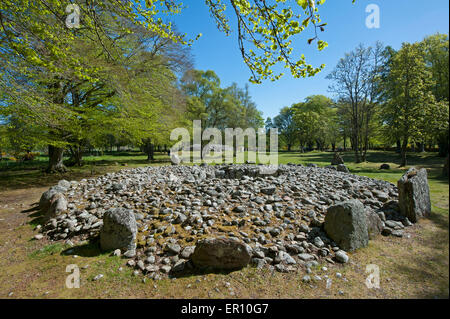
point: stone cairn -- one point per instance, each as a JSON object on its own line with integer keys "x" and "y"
{"x": 169, "y": 219}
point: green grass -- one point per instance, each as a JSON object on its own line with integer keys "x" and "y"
{"x": 48, "y": 250}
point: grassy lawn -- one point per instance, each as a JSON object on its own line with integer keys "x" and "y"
{"x": 415, "y": 266}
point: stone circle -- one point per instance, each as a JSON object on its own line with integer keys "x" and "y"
{"x": 279, "y": 217}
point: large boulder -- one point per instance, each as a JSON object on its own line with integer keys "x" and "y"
{"x": 58, "y": 205}
{"x": 46, "y": 197}
{"x": 414, "y": 194}
{"x": 53, "y": 202}
{"x": 119, "y": 230}
{"x": 346, "y": 224}
{"x": 221, "y": 253}
{"x": 337, "y": 159}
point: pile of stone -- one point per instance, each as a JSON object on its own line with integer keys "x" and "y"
{"x": 171, "y": 218}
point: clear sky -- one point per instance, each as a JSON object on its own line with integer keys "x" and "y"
{"x": 400, "y": 21}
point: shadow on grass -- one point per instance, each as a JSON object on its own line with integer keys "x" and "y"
{"x": 429, "y": 159}
{"x": 440, "y": 220}
{"x": 90, "y": 249}
{"x": 430, "y": 265}
{"x": 194, "y": 271}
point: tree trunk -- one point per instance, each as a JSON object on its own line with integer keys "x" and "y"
{"x": 399, "y": 146}
{"x": 55, "y": 160}
{"x": 289, "y": 147}
{"x": 149, "y": 149}
{"x": 421, "y": 147}
{"x": 355, "y": 145}
{"x": 403, "y": 152}
{"x": 76, "y": 155}
{"x": 445, "y": 169}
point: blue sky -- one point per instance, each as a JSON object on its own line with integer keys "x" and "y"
{"x": 400, "y": 21}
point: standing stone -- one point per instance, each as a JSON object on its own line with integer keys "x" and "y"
{"x": 119, "y": 230}
{"x": 221, "y": 253}
{"x": 346, "y": 224}
{"x": 414, "y": 194}
{"x": 46, "y": 197}
{"x": 58, "y": 205}
{"x": 337, "y": 159}
{"x": 175, "y": 159}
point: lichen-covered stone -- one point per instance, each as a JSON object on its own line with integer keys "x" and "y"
{"x": 119, "y": 230}
{"x": 45, "y": 200}
{"x": 346, "y": 224}
{"x": 58, "y": 205}
{"x": 414, "y": 194}
{"x": 221, "y": 253}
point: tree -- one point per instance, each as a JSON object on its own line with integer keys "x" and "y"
{"x": 286, "y": 126}
{"x": 218, "y": 107}
{"x": 410, "y": 97}
{"x": 268, "y": 27}
{"x": 312, "y": 119}
{"x": 356, "y": 79}
{"x": 436, "y": 55}
{"x": 72, "y": 97}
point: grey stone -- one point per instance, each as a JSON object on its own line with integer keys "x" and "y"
{"x": 281, "y": 268}
{"x": 221, "y": 253}
{"x": 58, "y": 205}
{"x": 187, "y": 252}
{"x": 342, "y": 168}
{"x": 397, "y": 233}
{"x": 283, "y": 257}
{"x": 374, "y": 224}
{"x": 268, "y": 190}
{"x": 166, "y": 269}
{"x": 341, "y": 256}
{"x": 173, "y": 248}
{"x": 346, "y": 224}
{"x": 306, "y": 257}
{"x": 306, "y": 278}
{"x": 318, "y": 242}
{"x": 119, "y": 230}
{"x": 258, "y": 262}
{"x": 44, "y": 202}
{"x": 414, "y": 194}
